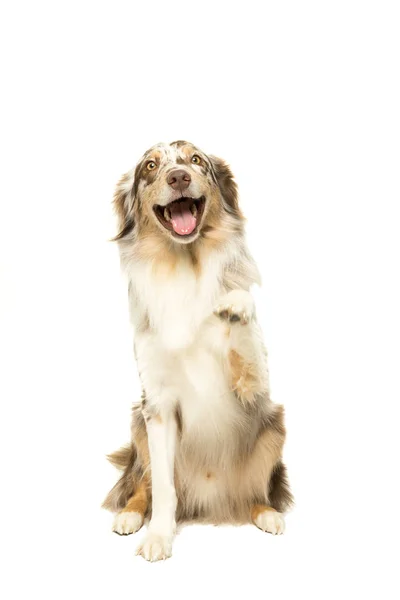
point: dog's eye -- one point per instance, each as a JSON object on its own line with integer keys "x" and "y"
{"x": 196, "y": 160}
{"x": 151, "y": 165}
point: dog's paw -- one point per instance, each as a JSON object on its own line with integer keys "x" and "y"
{"x": 236, "y": 307}
{"x": 271, "y": 521}
{"x": 127, "y": 522}
{"x": 155, "y": 547}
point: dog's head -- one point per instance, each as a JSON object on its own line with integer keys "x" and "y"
{"x": 178, "y": 191}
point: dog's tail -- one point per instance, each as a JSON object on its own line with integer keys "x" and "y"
{"x": 124, "y": 459}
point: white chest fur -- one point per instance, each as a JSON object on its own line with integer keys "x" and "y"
{"x": 195, "y": 378}
{"x": 183, "y": 357}
{"x": 177, "y": 301}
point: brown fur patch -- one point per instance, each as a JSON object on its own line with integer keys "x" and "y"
{"x": 135, "y": 462}
{"x": 178, "y": 417}
{"x": 179, "y": 143}
{"x": 121, "y": 458}
{"x": 280, "y": 496}
{"x": 257, "y": 470}
{"x": 227, "y": 185}
{"x": 141, "y": 442}
{"x": 121, "y": 201}
{"x": 124, "y": 488}
{"x": 139, "y": 501}
{"x": 245, "y": 380}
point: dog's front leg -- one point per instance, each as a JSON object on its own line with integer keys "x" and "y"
{"x": 247, "y": 356}
{"x": 161, "y": 433}
{"x": 159, "y": 411}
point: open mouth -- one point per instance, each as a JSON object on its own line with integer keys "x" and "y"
{"x": 182, "y": 217}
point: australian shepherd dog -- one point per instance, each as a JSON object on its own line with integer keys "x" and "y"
{"x": 206, "y": 439}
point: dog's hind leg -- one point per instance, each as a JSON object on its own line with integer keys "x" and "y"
{"x": 131, "y": 517}
{"x": 265, "y": 474}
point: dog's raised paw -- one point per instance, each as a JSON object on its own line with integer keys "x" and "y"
{"x": 236, "y": 307}
{"x": 127, "y": 522}
{"x": 270, "y": 521}
{"x": 155, "y": 547}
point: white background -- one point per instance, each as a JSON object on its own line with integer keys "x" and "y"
{"x": 302, "y": 98}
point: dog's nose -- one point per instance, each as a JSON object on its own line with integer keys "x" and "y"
{"x": 179, "y": 179}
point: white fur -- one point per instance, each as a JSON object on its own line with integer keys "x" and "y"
{"x": 238, "y": 303}
{"x": 270, "y": 521}
{"x": 127, "y": 522}
{"x": 183, "y": 358}
{"x": 161, "y": 433}
{"x": 177, "y": 303}
{"x": 155, "y": 547}
{"x": 180, "y": 360}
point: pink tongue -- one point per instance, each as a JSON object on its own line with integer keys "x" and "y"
{"x": 183, "y": 222}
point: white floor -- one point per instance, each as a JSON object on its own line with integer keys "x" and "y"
{"x": 314, "y": 559}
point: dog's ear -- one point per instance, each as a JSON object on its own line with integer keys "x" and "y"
{"x": 123, "y": 201}
{"x": 227, "y": 185}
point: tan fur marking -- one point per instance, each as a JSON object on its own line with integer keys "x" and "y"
{"x": 269, "y": 447}
{"x": 139, "y": 501}
{"x": 258, "y": 509}
{"x": 196, "y": 264}
{"x": 244, "y": 377}
{"x": 142, "y": 446}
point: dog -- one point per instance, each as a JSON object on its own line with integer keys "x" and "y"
{"x": 206, "y": 439}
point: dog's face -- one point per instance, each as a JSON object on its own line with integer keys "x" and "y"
{"x": 177, "y": 190}
{"x": 175, "y": 187}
